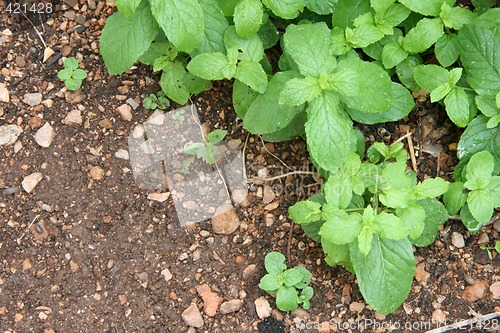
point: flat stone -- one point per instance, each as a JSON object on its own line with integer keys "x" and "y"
{"x": 268, "y": 195}
{"x": 475, "y": 291}
{"x": 457, "y": 240}
{"x": 438, "y": 316}
{"x": 262, "y": 307}
{"x": 356, "y": 307}
{"x": 96, "y": 173}
{"x": 166, "y": 274}
{"x": 4, "y": 93}
{"x": 160, "y": 197}
{"x": 211, "y": 300}
{"x": 231, "y": 306}
{"x": 123, "y": 154}
{"x": 225, "y": 220}
{"x": 74, "y": 96}
{"x": 249, "y": 271}
{"x": 192, "y": 316}
{"x": 125, "y": 112}
{"x": 30, "y": 182}
{"x": 71, "y": 3}
{"x": 132, "y": 103}
{"x": 421, "y": 275}
{"x": 9, "y": 134}
{"x": 32, "y": 99}
{"x": 45, "y": 135}
{"x": 495, "y": 290}
{"x": 74, "y": 117}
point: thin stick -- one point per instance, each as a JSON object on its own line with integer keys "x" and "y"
{"x": 412, "y": 151}
{"x": 36, "y": 30}
{"x": 464, "y": 323}
{"x": 243, "y": 158}
{"x": 438, "y": 168}
{"x": 273, "y": 155}
{"x": 255, "y": 179}
{"x": 25, "y": 231}
{"x": 401, "y": 138}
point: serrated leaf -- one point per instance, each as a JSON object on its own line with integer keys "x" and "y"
{"x": 227, "y": 6}
{"x": 447, "y": 49}
{"x": 305, "y": 212}
{"x": 395, "y": 197}
{"x": 468, "y": 220}
{"x": 405, "y": 71}
{"x": 195, "y": 84}
{"x": 435, "y": 215}
{"x": 172, "y": 83}
{"x": 430, "y": 188}
{"x": 480, "y": 59}
{"x": 287, "y": 9}
{"x": 336, "y": 254}
{"x": 402, "y": 105}
{"x": 300, "y": 90}
{"x": 308, "y": 45}
{"x": 265, "y": 114}
{"x": 291, "y": 277}
{"x": 124, "y": 39}
{"x": 243, "y": 97}
{"x": 340, "y": 227}
{"x": 268, "y": 33}
{"x": 208, "y": 66}
{"x": 390, "y": 267}
{"x": 248, "y": 17}
{"x": 345, "y": 81}
{"x": 430, "y": 77}
{"x": 423, "y": 35}
{"x": 252, "y": 74}
{"x": 339, "y": 43}
{"x": 322, "y": 7}
{"x": 458, "y": 107}
{"x": 455, "y": 197}
{"x": 307, "y": 293}
{"x": 393, "y": 54}
{"x": 215, "y": 26}
{"x": 389, "y": 226}
{"x": 480, "y": 203}
{"x": 216, "y": 136}
{"x": 374, "y": 87}
{"x": 487, "y": 106}
{"x": 427, "y": 8}
{"x": 364, "y": 241}
{"x": 274, "y": 262}
{"x": 494, "y": 187}
{"x": 127, "y": 7}
{"x": 413, "y": 219}
{"x": 327, "y": 130}
{"x": 392, "y": 16}
{"x": 181, "y": 20}
{"x": 381, "y": 5}
{"x": 270, "y": 282}
{"x": 363, "y": 35}
{"x": 479, "y": 170}
{"x": 287, "y": 298}
{"x": 252, "y": 48}
{"x": 455, "y": 17}
{"x": 440, "y": 92}
{"x": 347, "y": 11}
{"x": 338, "y": 189}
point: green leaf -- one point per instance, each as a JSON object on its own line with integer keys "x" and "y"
{"x": 124, "y": 39}
{"x": 389, "y": 226}
{"x": 181, "y": 20}
{"x": 305, "y": 212}
{"x": 227, "y": 6}
{"x": 459, "y": 108}
{"x": 336, "y": 254}
{"x": 487, "y": 106}
{"x": 393, "y": 54}
{"x": 155, "y": 50}
{"x": 405, "y": 71}
{"x": 340, "y": 227}
{"x": 252, "y": 74}
{"x": 338, "y": 189}
{"x": 268, "y": 33}
{"x": 252, "y": 48}
{"x": 365, "y": 239}
{"x": 430, "y": 77}
{"x": 299, "y": 91}
{"x": 395, "y": 197}
{"x": 308, "y": 45}
{"x": 212, "y": 39}
{"x": 430, "y": 188}
{"x": 402, "y": 105}
{"x": 479, "y": 170}
{"x": 265, "y": 114}
{"x": 375, "y": 93}
{"x": 477, "y": 137}
{"x": 413, "y": 219}
{"x": 348, "y": 10}
{"x": 392, "y": 16}
{"x": 455, "y": 17}
{"x": 287, "y": 299}
{"x": 270, "y": 282}
{"x": 327, "y": 132}
{"x": 390, "y": 267}
{"x": 423, "y": 35}
{"x": 208, "y": 66}
{"x": 494, "y": 187}
{"x": 248, "y": 17}
{"x": 127, "y": 7}
{"x": 480, "y": 203}
{"x": 291, "y": 277}
{"x": 216, "y": 136}
{"x": 497, "y": 246}
{"x": 426, "y": 8}
{"x": 71, "y": 63}
{"x": 480, "y": 60}
{"x": 344, "y": 81}
{"x": 287, "y": 9}
{"x": 65, "y": 74}
{"x": 306, "y": 277}
{"x": 195, "y": 84}
{"x": 307, "y": 293}
{"x": 435, "y": 215}
{"x": 447, "y": 49}
{"x": 440, "y": 92}
{"x": 73, "y": 84}
{"x": 172, "y": 82}
{"x": 322, "y": 7}
{"x": 363, "y": 35}
{"x": 79, "y": 74}
{"x": 243, "y": 97}
{"x": 455, "y": 197}
{"x": 274, "y": 262}
{"x": 339, "y": 42}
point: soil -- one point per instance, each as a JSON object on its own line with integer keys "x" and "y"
{"x": 87, "y": 251}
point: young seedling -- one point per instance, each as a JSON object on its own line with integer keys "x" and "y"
{"x": 290, "y": 286}
{"x": 179, "y": 116}
{"x": 156, "y": 101}
{"x": 489, "y": 248}
{"x": 71, "y": 75}
{"x": 207, "y": 151}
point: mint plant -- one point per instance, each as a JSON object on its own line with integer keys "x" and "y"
{"x": 71, "y": 74}
{"x": 488, "y": 249}
{"x": 208, "y": 150}
{"x": 289, "y": 286}
{"x": 156, "y": 101}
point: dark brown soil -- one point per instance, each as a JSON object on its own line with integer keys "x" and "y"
{"x": 85, "y": 255}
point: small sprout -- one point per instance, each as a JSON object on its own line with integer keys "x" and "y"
{"x": 156, "y": 101}
{"x": 207, "y": 151}
{"x": 71, "y": 75}
{"x": 179, "y": 116}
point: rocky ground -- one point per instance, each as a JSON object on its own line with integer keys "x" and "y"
{"x": 84, "y": 247}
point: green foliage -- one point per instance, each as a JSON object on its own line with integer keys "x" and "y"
{"x": 207, "y": 150}
{"x": 488, "y": 249}
{"x": 156, "y": 101}
{"x": 372, "y": 209}
{"x": 71, "y": 75}
{"x": 290, "y": 286}
{"x": 372, "y": 213}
